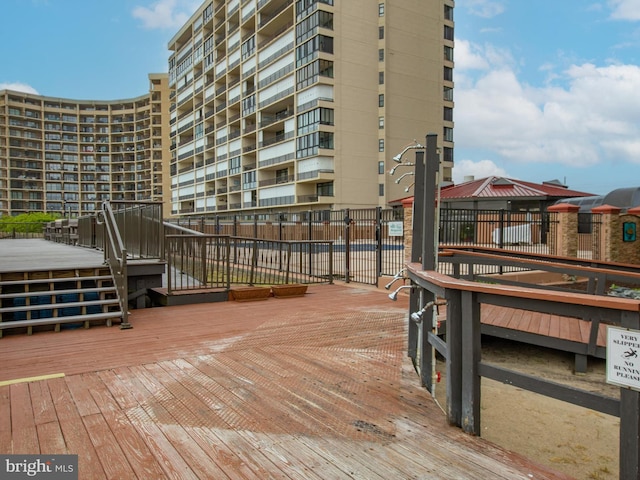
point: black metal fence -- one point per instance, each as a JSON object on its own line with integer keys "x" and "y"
{"x": 367, "y": 243}
{"x": 527, "y": 231}
{"x": 218, "y": 261}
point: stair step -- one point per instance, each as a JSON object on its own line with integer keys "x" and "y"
{"x": 60, "y": 320}
{"x": 55, "y": 280}
{"x": 61, "y": 305}
{"x": 45, "y": 293}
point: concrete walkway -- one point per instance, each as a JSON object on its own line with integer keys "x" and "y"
{"x": 24, "y": 255}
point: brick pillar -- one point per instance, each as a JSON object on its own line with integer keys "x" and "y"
{"x": 563, "y": 237}
{"x": 610, "y": 233}
{"x": 407, "y": 204}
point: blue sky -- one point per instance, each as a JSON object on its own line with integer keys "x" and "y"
{"x": 543, "y": 89}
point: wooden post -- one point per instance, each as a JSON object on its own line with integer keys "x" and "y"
{"x": 471, "y": 354}
{"x": 630, "y": 417}
{"x": 454, "y": 357}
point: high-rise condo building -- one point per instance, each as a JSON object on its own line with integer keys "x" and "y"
{"x": 268, "y": 105}
{"x": 283, "y": 105}
{"x": 66, "y": 156}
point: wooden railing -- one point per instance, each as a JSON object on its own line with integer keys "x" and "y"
{"x": 463, "y": 354}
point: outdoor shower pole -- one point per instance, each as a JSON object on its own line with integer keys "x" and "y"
{"x": 429, "y": 250}
{"x": 416, "y": 250}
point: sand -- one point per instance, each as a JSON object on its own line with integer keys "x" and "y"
{"x": 571, "y": 439}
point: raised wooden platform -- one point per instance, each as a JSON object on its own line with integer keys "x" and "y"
{"x": 314, "y": 387}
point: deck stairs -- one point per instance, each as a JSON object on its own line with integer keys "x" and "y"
{"x": 57, "y": 299}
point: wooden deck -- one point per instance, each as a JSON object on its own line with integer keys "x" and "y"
{"x": 316, "y": 387}
{"x": 546, "y": 325}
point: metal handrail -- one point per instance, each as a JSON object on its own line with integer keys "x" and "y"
{"x": 115, "y": 256}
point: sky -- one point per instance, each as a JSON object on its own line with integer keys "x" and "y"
{"x": 544, "y": 90}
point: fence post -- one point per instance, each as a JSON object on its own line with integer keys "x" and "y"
{"x": 310, "y": 238}
{"x": 347, "y": 246}
{"x": 378, "y": 244}
{"x": 203, "y": 259}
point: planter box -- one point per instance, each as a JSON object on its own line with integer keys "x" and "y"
{"x": 249, "y": 294}
{"x": 289, "y": 290}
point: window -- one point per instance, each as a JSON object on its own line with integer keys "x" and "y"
{"x": 381, "y": 100}
{"x": 381, "y": 9}
{"x": 380, "y": 33}
{"x": 448, "y": 53}
{"x": 448, "y": 73}
{"x": 309, "y": 74}
{"x": 448, "y": 32}
{"x": 448, "y": 12}
{"x": 448, "y": 94}
{"x": 249, "y": 180}
{"x": 448, "y": 134}
{"x": 381, "y": 168}
{"x": 381, "y": 55}
{"x": 248, "y": 47}
{"x": 380, "y": 78}
{"x": 381, "y": 145}
{"x": 311, "y": 120}
{"x": 381, "y": 189}
{"x": 234, "y": 165}
{"x": 282, "y": 175}
{"x": 308, "y": 27}
{"x": 308, "y": 145}
{"x": 381, "y": 122}
{"x": 447, "y": 154}
{"x": 325, "y": 189}
{"x": 309, "y": 50}
{"x": 448, "y": 114}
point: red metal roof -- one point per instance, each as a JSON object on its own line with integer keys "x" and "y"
{"x": 500, "y": 187}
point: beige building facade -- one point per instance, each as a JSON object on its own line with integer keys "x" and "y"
{"x": 65, "y": 156}
{"x": 281, "y": 105}
{"x": 268, "y": 106}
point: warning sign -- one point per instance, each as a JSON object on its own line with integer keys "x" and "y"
{"x": 396, "y": 229}
{"x": 623, "y": 357}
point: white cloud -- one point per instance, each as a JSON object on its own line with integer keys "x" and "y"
{"x": 625, "y": 9}
{"x": 485, "y": 8}
{"x": 171, "y": 14}
{"x": 18, "y": 87}
{"x": 595, "y": 118}
{"x": 481, "y": 169}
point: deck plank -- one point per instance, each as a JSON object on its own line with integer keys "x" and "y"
{"x": 75, "y": 434}
{"x": 133, "y": 448}
{"x": 5, "y": 419}
{"x": 245, "y": 392}
{"x": 25, "y": 436}
{"x": 42, "y": 404}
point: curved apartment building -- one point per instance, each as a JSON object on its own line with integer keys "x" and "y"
{"x": 268, "y": 105}
{"x": 66, "y": 156}
{"x": 282, "y": 105}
